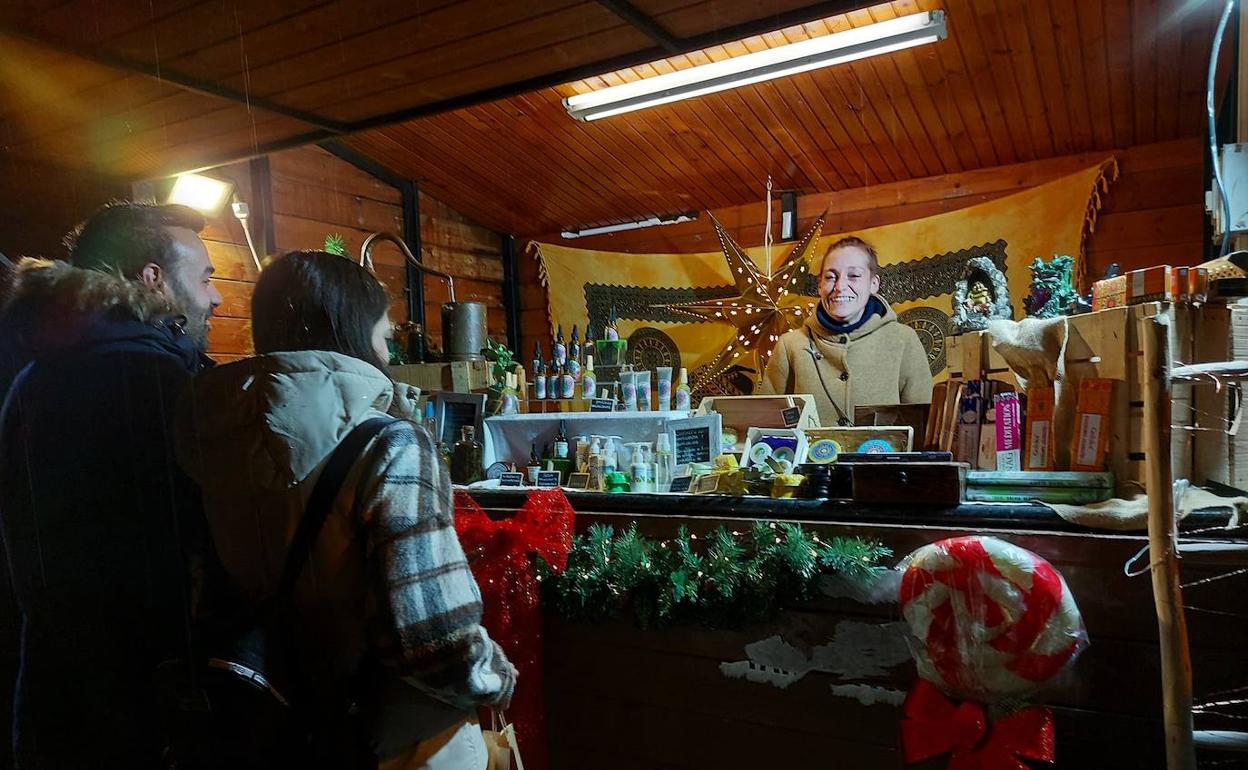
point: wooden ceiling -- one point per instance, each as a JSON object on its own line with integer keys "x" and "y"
{"x": 429, "y": 89}
{"x": 1016, "y": 80}
{"x": 135, "y": 89}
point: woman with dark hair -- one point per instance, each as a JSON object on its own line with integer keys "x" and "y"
{"x": 852, "y": 351}
{"x": 387, "y": 579}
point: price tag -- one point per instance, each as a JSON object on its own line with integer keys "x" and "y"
{"x": 680, "y": 484}
{"x": 791, "y": 416}
{"x": 548, "y": 478}
{"x": 578, "y": 481}
{"x": 602, "y": 405}
{"x": 511, "y": 479}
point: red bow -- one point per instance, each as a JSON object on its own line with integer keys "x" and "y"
{"x": 501, "y": 555}
{"x": 934, "y": 725}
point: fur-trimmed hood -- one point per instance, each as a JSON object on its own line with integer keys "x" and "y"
{"x": 56, "y": 307}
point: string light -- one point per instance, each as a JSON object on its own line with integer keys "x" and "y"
{"x": 760, "y": 302}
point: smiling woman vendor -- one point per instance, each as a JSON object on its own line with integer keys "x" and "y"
{"x": 853, "y": 351}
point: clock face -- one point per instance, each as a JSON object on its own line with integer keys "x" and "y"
{"x": 933, "y": 327}
{"x": 649, "y": 348}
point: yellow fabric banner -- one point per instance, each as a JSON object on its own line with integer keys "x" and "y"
{"x": 920, "y": 262}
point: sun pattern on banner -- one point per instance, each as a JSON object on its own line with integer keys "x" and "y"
{"x": 766, "y": 305}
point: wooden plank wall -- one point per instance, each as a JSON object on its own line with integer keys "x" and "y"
{"x": 1153, "y": 214}
{"x": 230, "y": 337}
{"x": 472, "y": 253}
{"x": 316, "y": 194}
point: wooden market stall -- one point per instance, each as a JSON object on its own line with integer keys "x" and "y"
{"x": 447, "y": 124}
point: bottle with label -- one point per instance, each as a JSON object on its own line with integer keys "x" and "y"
{"x": 662, "y": 464}
{"x": 560, "y": 349}
{"x": 640, "y": 476}
{"x": 552, "y": 381}
{"x": 588, "y": 347}
{"x": 466, "y": 458}
{"x": 535, "y": 464}
{"x": 595, "y": 465}
{"x": 561, "y": 442}
{"x": 539, "y": 372}
{"x": 588, "y": 380}
{"x": 683, "y": 396}
{"x": 567, "y": 385}
{"x": 574, "y": 355}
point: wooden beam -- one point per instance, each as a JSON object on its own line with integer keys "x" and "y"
{"x": 1176, "y": 660}
{"x": 646, "y": 25}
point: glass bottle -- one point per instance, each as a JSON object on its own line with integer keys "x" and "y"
{"x": 560, "y": 349}
{"x": 589, "y": 380}
{"x": 561, "y": 442}
{"x": 538, "y": 375}
{"x": 466, "y": 458}
{"x": 535, "y": 464}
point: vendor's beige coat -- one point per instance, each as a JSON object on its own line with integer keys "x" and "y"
{"x": 884, "y": 360}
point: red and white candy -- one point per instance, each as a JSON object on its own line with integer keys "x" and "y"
{"x": 992, "y": 620}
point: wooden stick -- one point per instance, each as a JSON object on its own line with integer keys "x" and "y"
{"x": 1176, "y": 662}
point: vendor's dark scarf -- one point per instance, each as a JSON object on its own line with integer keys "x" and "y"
{"x": 875, "y": 306}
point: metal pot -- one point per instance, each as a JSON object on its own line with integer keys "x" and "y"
{"x": 463, "y": 331}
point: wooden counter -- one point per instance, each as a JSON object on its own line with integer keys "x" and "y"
{"x": 623, "y": 697}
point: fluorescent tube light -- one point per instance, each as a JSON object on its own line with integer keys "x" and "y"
{"x": 837, "y": 48}
{"x": 673, "y": 219}
{"x": 202, "y": 193}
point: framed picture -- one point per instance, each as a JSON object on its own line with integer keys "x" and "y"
{"x": 452, "y": 411}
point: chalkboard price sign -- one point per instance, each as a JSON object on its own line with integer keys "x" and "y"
{"x": 548, "y": 478}
{"x": 791, "y": 416}
{"x": 693, "y": 445}
{"x": 680, "y": 484}
{"x": 511, "y": 479}
{"x": 602, "y": 405}
{"x": 456, "y": 410}
{"x": 695, "y": 440}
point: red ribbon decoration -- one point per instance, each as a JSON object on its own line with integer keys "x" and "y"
{"x": 501, "y": 553}
{"x": 934, "y": 725}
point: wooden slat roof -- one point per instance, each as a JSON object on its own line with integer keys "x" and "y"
{"x": 1017, "y": 80}
{"x": 220, "y": 79}
{"x": 465, "y": 96}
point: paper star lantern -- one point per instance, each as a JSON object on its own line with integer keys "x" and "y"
{"x": 766, "y": 306}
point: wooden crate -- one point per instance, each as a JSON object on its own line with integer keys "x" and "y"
{"x": 456, "y": 376}
{"x": 1221, "y": 334}
{"x": 1106, "y": 344}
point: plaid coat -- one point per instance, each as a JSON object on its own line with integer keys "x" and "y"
{"x": 387, "y": 576}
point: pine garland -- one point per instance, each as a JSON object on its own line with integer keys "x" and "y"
{"x": 725, "y": 579}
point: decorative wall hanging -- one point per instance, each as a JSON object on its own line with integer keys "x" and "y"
{"x": 920, "y": 261}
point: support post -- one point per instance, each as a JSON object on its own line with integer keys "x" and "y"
{"x": 1176, "y": 662}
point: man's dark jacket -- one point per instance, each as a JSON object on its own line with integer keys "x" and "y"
{"x": 95, "y": 512}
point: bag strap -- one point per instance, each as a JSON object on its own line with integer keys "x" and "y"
{"x": 324, "y": 492}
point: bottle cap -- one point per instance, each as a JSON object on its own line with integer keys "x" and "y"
{"x": 662, "y": 445}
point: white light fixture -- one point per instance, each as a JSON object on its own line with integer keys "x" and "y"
{"x": 208, "y": 196}
{"x": 837, "y": 48}
{"x": 672, "y": 219}
{"x": 205, "y": 194}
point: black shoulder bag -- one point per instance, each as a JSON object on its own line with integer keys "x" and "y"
{"x": 243, "y": 705}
